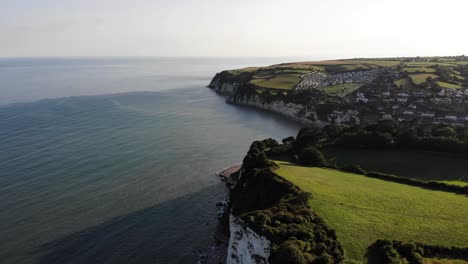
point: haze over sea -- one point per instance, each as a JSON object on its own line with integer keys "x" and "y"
{"x": 126, "y": 177}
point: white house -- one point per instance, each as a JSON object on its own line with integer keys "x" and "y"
{"x": 452, "y": 118}
{"x": 427, "y": 115}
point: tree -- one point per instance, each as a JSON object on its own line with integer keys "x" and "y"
{"x": 307, "y": 137}
{"x": 313, "y": 157}
{"x": 288, "y": 140}
{"x": 444, "y": 132}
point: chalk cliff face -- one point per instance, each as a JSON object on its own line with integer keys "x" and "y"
{"x": 246, "y": 246}
{"x": 294, "y": 111}
{"x": 225, "y": 84}
{"x": 239, "y": 91}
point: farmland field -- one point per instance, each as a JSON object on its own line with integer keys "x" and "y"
{"x": 448, "y": 85}
{"x": 421, "y": 78}
{"x": 382, "y": 63}
{"x": 282, "y": 81}
{"x": 341, "y": 89}
{"x": 424, "y": 70}
{"x": 405, "y": 83}
{"x": 362, "y": 209}
{"x": 444, "y": 261}
{"x": 248, "y": 69}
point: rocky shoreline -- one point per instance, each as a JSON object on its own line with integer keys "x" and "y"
{"x": 216, "y": 253}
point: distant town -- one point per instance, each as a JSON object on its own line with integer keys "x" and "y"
{"x": 430, "y": 90}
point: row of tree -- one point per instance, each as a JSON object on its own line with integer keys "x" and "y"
{"x": 396, "y": 252}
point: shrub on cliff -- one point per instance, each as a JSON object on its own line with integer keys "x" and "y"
{"x": 284, "y": 152}
{"x": 307, "y": 137}
{"x": 288, "y": 140}
{"x": 365, "y": 139}
{"x": 390, "y": 252}
{"x": 313, "y": 157}
{"x": 291, "y": 252}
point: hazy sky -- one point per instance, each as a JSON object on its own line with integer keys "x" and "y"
{"x": 317, "y": 29}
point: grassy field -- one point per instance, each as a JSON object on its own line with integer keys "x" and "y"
{"x": 424, "y": 70}
{"x": 287, "y": 75}
{"x": 405, "y": 83}
{"x": 449, "y": 85}
{"x": 444, "y": 261}
{"x": 281, "y": 81}
{"x": 421, "y": 78}
{"x": 381, "y": 63}
{"x": 362, "y": 209}
{"x": 429, "y": 64}
{"x": 239, "y": 71}
{"x": 340, "y": 68}
{"x": 458, "y": 76}
{"x": 341, "y": 89}
{"x": 458, "y": 183}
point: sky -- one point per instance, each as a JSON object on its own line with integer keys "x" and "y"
{"x": 222, "y": 28}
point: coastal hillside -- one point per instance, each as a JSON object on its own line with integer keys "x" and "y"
{"x": 294, "y": 204}
{"x": 354, "y": 91}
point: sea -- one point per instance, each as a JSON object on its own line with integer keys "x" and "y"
{"x": 113, "y": 160}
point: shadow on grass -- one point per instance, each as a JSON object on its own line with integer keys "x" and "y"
{"x": 167, "y": 233}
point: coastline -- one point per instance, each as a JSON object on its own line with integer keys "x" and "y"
{"x": 216, "y": 253}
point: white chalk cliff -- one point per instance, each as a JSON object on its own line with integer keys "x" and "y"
{"x": 246, "y": 246}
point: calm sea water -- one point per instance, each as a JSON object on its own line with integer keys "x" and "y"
{"x": 118, "y": 178}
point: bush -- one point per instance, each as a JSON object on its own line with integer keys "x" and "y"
{"x": 444, "y": 132}
{"x": 288, "y": 140}
{"x": 389, "y": 252}
{"x": 313, "y": 157}
{"x": 433, "y": 185}
{"x": 281, "y": 151}
{"x": 307, "y": 137}
{"x": 365, "y": 139}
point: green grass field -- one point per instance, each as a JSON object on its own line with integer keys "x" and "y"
{"x": 421, "y": 78}
{"x": 239, "y": 71}
{"x": 429, "y": 64}
{"x": 458, "y": 76}
{"x": 449, "y": 85}
{"x": 341, "y": 89}
{"x": 281, "y": 81}
{"x": 424, "y": 70}
{"x": 381, "y": 63}
{"x": 405, "y": 83}
{"x": 362, "y": 209}
{"x": 457, "y": 183}
{"x": 444, "y": 261}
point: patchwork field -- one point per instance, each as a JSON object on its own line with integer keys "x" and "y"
{"x": 381, "y": 63}
{"x": 341, "y": 89}
{"x": 287, "y": 76}
{"x": 362, "y": 209}
{"x": 444, "y": 261}
{"x": 449, "y": 85}
{"x": 421, "y": 78}
{"x": 422, "y": 70}
{"x": 281, "y": 81}
{"x": 405, "y": 83}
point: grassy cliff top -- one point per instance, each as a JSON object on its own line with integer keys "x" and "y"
{"x": 362, "y": 209}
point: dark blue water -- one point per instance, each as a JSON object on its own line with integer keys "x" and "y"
{"x": 120, "y": 178}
